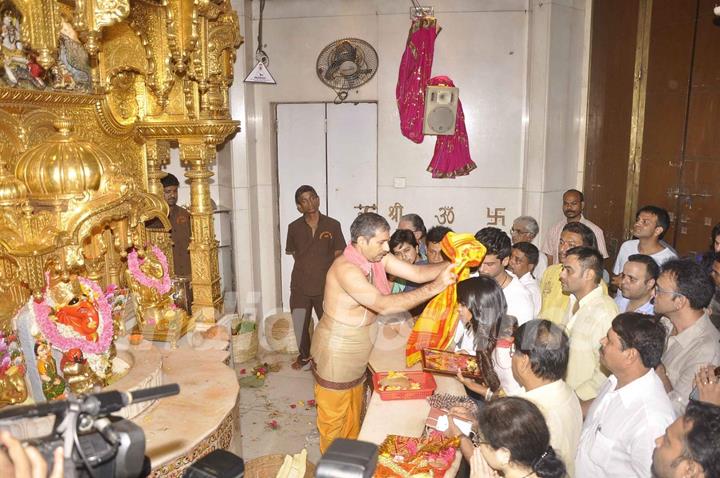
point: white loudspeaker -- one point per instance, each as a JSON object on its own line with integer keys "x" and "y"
{"x": 440, "y": 110}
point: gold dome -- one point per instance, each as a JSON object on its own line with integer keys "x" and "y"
{"x": 12, "y": 190}
{"x": 62, "y": 167}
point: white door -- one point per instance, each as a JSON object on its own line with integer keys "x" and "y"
{"x": 334, "y": 149}
{"x": 301, "y": 160}
{"x": 352, "y": 161}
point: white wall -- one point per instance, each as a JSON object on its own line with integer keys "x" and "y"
{"x": 557, "y": 97}
{"x": 520, "y": 68}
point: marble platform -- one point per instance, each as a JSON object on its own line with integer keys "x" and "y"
{"x": 178, "y": 429}
{"x": 202, "y": 418}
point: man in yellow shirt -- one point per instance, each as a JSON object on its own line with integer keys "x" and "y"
{"x": 554, "y": 300}
{"x": 587, "y": 319}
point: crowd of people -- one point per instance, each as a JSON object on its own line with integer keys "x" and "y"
{"x": 598, "y": 371}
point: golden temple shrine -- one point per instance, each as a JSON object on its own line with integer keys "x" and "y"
{"x": 87, "y": 114}
{"x": 94, "y": 95}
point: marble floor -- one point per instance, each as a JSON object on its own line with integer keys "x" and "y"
{"x": 282, "y": 399}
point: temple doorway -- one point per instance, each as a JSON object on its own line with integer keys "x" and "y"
{"x": 332, "y": 147}
{"x": 652, "y": 118}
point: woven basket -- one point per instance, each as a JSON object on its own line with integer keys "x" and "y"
{"x": 245, "y": 346}
{"x": 278, "y": 333}
{"x": 268, "y": 466}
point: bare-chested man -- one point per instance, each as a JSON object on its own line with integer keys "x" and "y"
{"x": 356, "y": 290}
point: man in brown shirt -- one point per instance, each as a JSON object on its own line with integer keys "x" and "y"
{"x": 180, "y": 222}
{"x": 314, "y": 240}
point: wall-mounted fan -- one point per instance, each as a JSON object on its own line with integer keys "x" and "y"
{"x": 346, "y": 64}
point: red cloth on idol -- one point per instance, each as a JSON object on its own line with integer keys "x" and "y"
{"x": 379, "y": 277}
{"x": 415, "y": 70}
{"x": 452, "y": 153}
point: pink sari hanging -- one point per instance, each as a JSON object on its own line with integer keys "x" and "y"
{"x": 415, "y": 70}
{"x": 452, "y": 153}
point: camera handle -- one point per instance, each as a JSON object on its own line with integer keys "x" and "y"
{"x": 67, "y": 428}
{"x": 76, "y": 418}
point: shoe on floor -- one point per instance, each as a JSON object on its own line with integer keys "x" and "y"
{"x": 300, "y": 363}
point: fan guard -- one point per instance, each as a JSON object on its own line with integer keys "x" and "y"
{"x": 346, "y": 64}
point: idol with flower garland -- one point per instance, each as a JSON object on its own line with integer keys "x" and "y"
{"x": 73, "y": 318}
{"x": 12, "y": 371}
{"x": 148, "y": 278}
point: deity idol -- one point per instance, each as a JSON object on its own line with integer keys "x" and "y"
{"x": 16, "y": 63}
{"x": 149, "y": 280}
{"x": 12, "y": 371}
{"x": 78, "y": 375}
{"x": 53, "y": 386}
{"x": 77, "y": 313}
{"x": 75, "y": 318}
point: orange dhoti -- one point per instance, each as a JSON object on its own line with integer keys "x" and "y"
{"x": 340, "y": 354}
{"x": 338, "y": 413}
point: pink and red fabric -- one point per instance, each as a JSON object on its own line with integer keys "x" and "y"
{"x": 452, "y": 153}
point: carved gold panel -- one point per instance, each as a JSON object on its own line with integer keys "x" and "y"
{"x": 117, "y": 81}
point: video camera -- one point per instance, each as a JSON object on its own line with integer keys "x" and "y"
{"x": 95, "y": 443}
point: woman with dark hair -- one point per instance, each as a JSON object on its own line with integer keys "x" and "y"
{"x": 485, "y": 329}
{"x": 481, "y": 307}
{"x": 514, "y": 440}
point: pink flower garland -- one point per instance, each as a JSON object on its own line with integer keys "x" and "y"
{"x": 163, "y": 285}
{"x": 51, "y": 332}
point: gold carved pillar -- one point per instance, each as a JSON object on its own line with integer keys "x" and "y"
{"x": 197, "y": 156}
{"x": 117, "y": 237}
{"x": 157, "y": 154}
{"x": 197, "y": 141}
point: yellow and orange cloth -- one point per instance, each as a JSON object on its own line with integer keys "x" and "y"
{"x": 436, "y": 325}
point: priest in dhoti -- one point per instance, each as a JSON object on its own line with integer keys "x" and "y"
{"x": 356, "y": 292}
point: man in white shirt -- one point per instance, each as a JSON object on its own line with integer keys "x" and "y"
{"x": 683, "y": 291}
{"x": 497, "y": 257}
{"x": 587, "y": 319}
{"x": 539, "y": 362}
{"x": 573, "y": 204}
{"x": 523, "y": 259}
{"x": 632, "y": 409}
{"x": 637, "y": 288}
{"x": 689, "y": 447}
{"x": 526, "y": 229}
{"x": 651, "y": 223}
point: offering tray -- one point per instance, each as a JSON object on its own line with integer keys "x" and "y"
{"x": 426, "y": 386}
{"x": 448, "y": 363}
